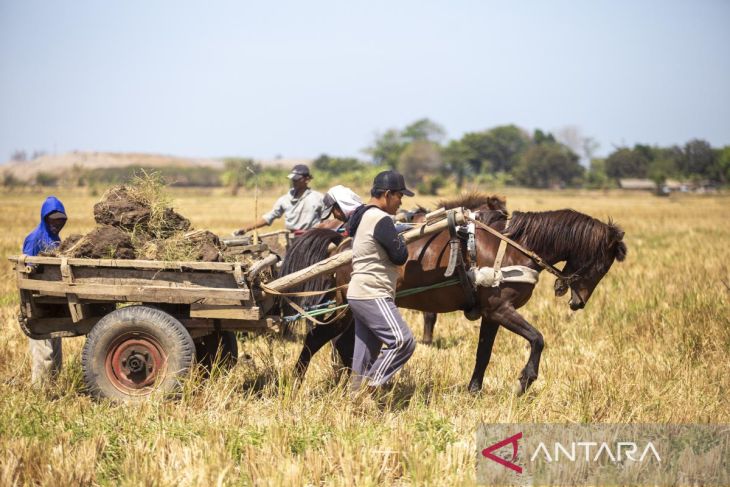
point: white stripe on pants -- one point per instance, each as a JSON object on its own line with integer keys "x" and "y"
{"x": 378, "y": 323}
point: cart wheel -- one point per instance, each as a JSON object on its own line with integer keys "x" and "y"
{"x": 222, "y": 346}
{"x": 134, "y": 351}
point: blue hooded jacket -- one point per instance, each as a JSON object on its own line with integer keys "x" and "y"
{"x": 41, "y": 238}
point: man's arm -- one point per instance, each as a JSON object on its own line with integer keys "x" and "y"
{"x": 260, "y": 223}
{"x": 387, "y": 236}
{"x": 265, "y": 220}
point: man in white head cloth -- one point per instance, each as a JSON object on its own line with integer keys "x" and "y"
{"x": 341, "y": 202}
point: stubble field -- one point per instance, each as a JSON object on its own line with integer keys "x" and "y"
{"x": 651, "y": 346}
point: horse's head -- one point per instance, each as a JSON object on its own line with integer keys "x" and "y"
{"x": 583, "y": 275}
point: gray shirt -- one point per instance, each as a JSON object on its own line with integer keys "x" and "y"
{"x": 377, "y": 254}
{"x": 299, "y": 213}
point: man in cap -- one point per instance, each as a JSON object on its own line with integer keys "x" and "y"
{"x": 383, "y": 341}
{"x": 46, "y": 355}
{"x": 301, "y": 206}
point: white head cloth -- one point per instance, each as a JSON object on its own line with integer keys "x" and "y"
{"x": 346, "y": 199}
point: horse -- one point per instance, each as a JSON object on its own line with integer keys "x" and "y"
{"x": 588, "y": 247}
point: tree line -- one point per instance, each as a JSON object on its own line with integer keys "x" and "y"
{"x": 510, "y": 155}
{"x": 499, "y": 156}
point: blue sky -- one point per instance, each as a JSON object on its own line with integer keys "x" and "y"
{"x": 297, "y": 79}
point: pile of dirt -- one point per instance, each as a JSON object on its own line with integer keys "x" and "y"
{"x": 137, "y": 222}
{"x": 103, "y": 242}
{"x": 123, "y": 208}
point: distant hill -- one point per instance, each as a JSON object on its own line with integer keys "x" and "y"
{"x": 60, "y": 164}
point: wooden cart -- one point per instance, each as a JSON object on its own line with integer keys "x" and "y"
{"x": 145, "y": 321}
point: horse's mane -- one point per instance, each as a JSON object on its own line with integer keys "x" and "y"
{"x": 492, "y": 207}
{"x": 475, "y": 200}
{"x": 306, "y": 250}
{"x": 583, "y": 237}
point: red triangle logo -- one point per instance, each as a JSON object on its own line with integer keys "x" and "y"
{"x": 487, "y": 452}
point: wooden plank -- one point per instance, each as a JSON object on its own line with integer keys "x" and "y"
{"x": 224, "y": 312}
{"x": 129, "y": 264}
{"x": 314, "y": 270}
{"x": 338, "y": 260}
{"x": 66, "y": 272}
{"x": 153, "y": 294}
{"x": 146, "y": 277}
{"x": 42, "y": 328}
{"x": 75, "y": 307}
{"x": 264, "y": 324}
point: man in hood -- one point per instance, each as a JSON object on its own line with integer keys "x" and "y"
{"x": 301, "y": 206}
{"x": 46, "y": 355}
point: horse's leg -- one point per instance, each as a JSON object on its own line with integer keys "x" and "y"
{"x": 514, "y": 322}
{"x": 429, "y": 321}
{"x": 344, "y": 344}
{"x": 316, "y": 338}
{"x": 487, "y": 334}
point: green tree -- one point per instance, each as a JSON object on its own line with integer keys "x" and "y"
{"x": 424, "y": 129}
{"x": 236, "y": 171}
{"x": 626, "y": 163}
{"x": 548, "y": 165}
{"x": 722, "y": 158}
{"x": 337, "y": 165}
{"x": 420, "y": 159}
{"x": 458, "y": 157}
{"x": 497, "y": 149}
{"x": 699, "y": 160}
{"x": 46, "y": 179}
{"x": 387, "y": 148}
{"x": 597, "y": 177}
{"x": 540, "y": 137}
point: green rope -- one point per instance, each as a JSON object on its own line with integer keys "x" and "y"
{"x": 416, "y": 290}
{"x": 399, "y": 294}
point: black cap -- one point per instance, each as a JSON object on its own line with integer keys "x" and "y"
{"x": 299, "y": 171}
{"x": 391, "y": 181}
{"x": 57, "y": 215}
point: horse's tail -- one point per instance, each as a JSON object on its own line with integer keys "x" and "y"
{"x": 306, "y": 250}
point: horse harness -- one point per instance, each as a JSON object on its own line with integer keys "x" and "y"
{"x": 471, "y": 276}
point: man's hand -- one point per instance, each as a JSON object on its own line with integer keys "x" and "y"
{"x": 240, "y": 232}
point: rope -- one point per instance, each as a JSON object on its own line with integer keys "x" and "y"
{"x": 317, "y": 310}
{"x": 300, "y": 294}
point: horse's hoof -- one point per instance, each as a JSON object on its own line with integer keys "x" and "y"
{"x": 475, "y": 388}
{"x": 519, "y": 390}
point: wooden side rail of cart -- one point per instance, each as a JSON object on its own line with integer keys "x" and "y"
{"x": 65, "y": 296}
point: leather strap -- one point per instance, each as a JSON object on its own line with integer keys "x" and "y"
{"x": 454, "y": 245}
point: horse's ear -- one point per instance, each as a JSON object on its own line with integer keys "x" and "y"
{"x": 618, "y": 237}
{"x": 561, "y": 287}
{"x": 499, "y": 203}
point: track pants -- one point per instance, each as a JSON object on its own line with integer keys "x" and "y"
{"x": 383, "y": 341}
{"x": 46, "y": 357}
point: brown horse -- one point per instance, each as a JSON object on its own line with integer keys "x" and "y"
{"x": 587, "y": 246}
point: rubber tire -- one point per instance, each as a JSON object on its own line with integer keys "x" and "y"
{"x": 207, "y": 347}
{"x": 171, "y": 335}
